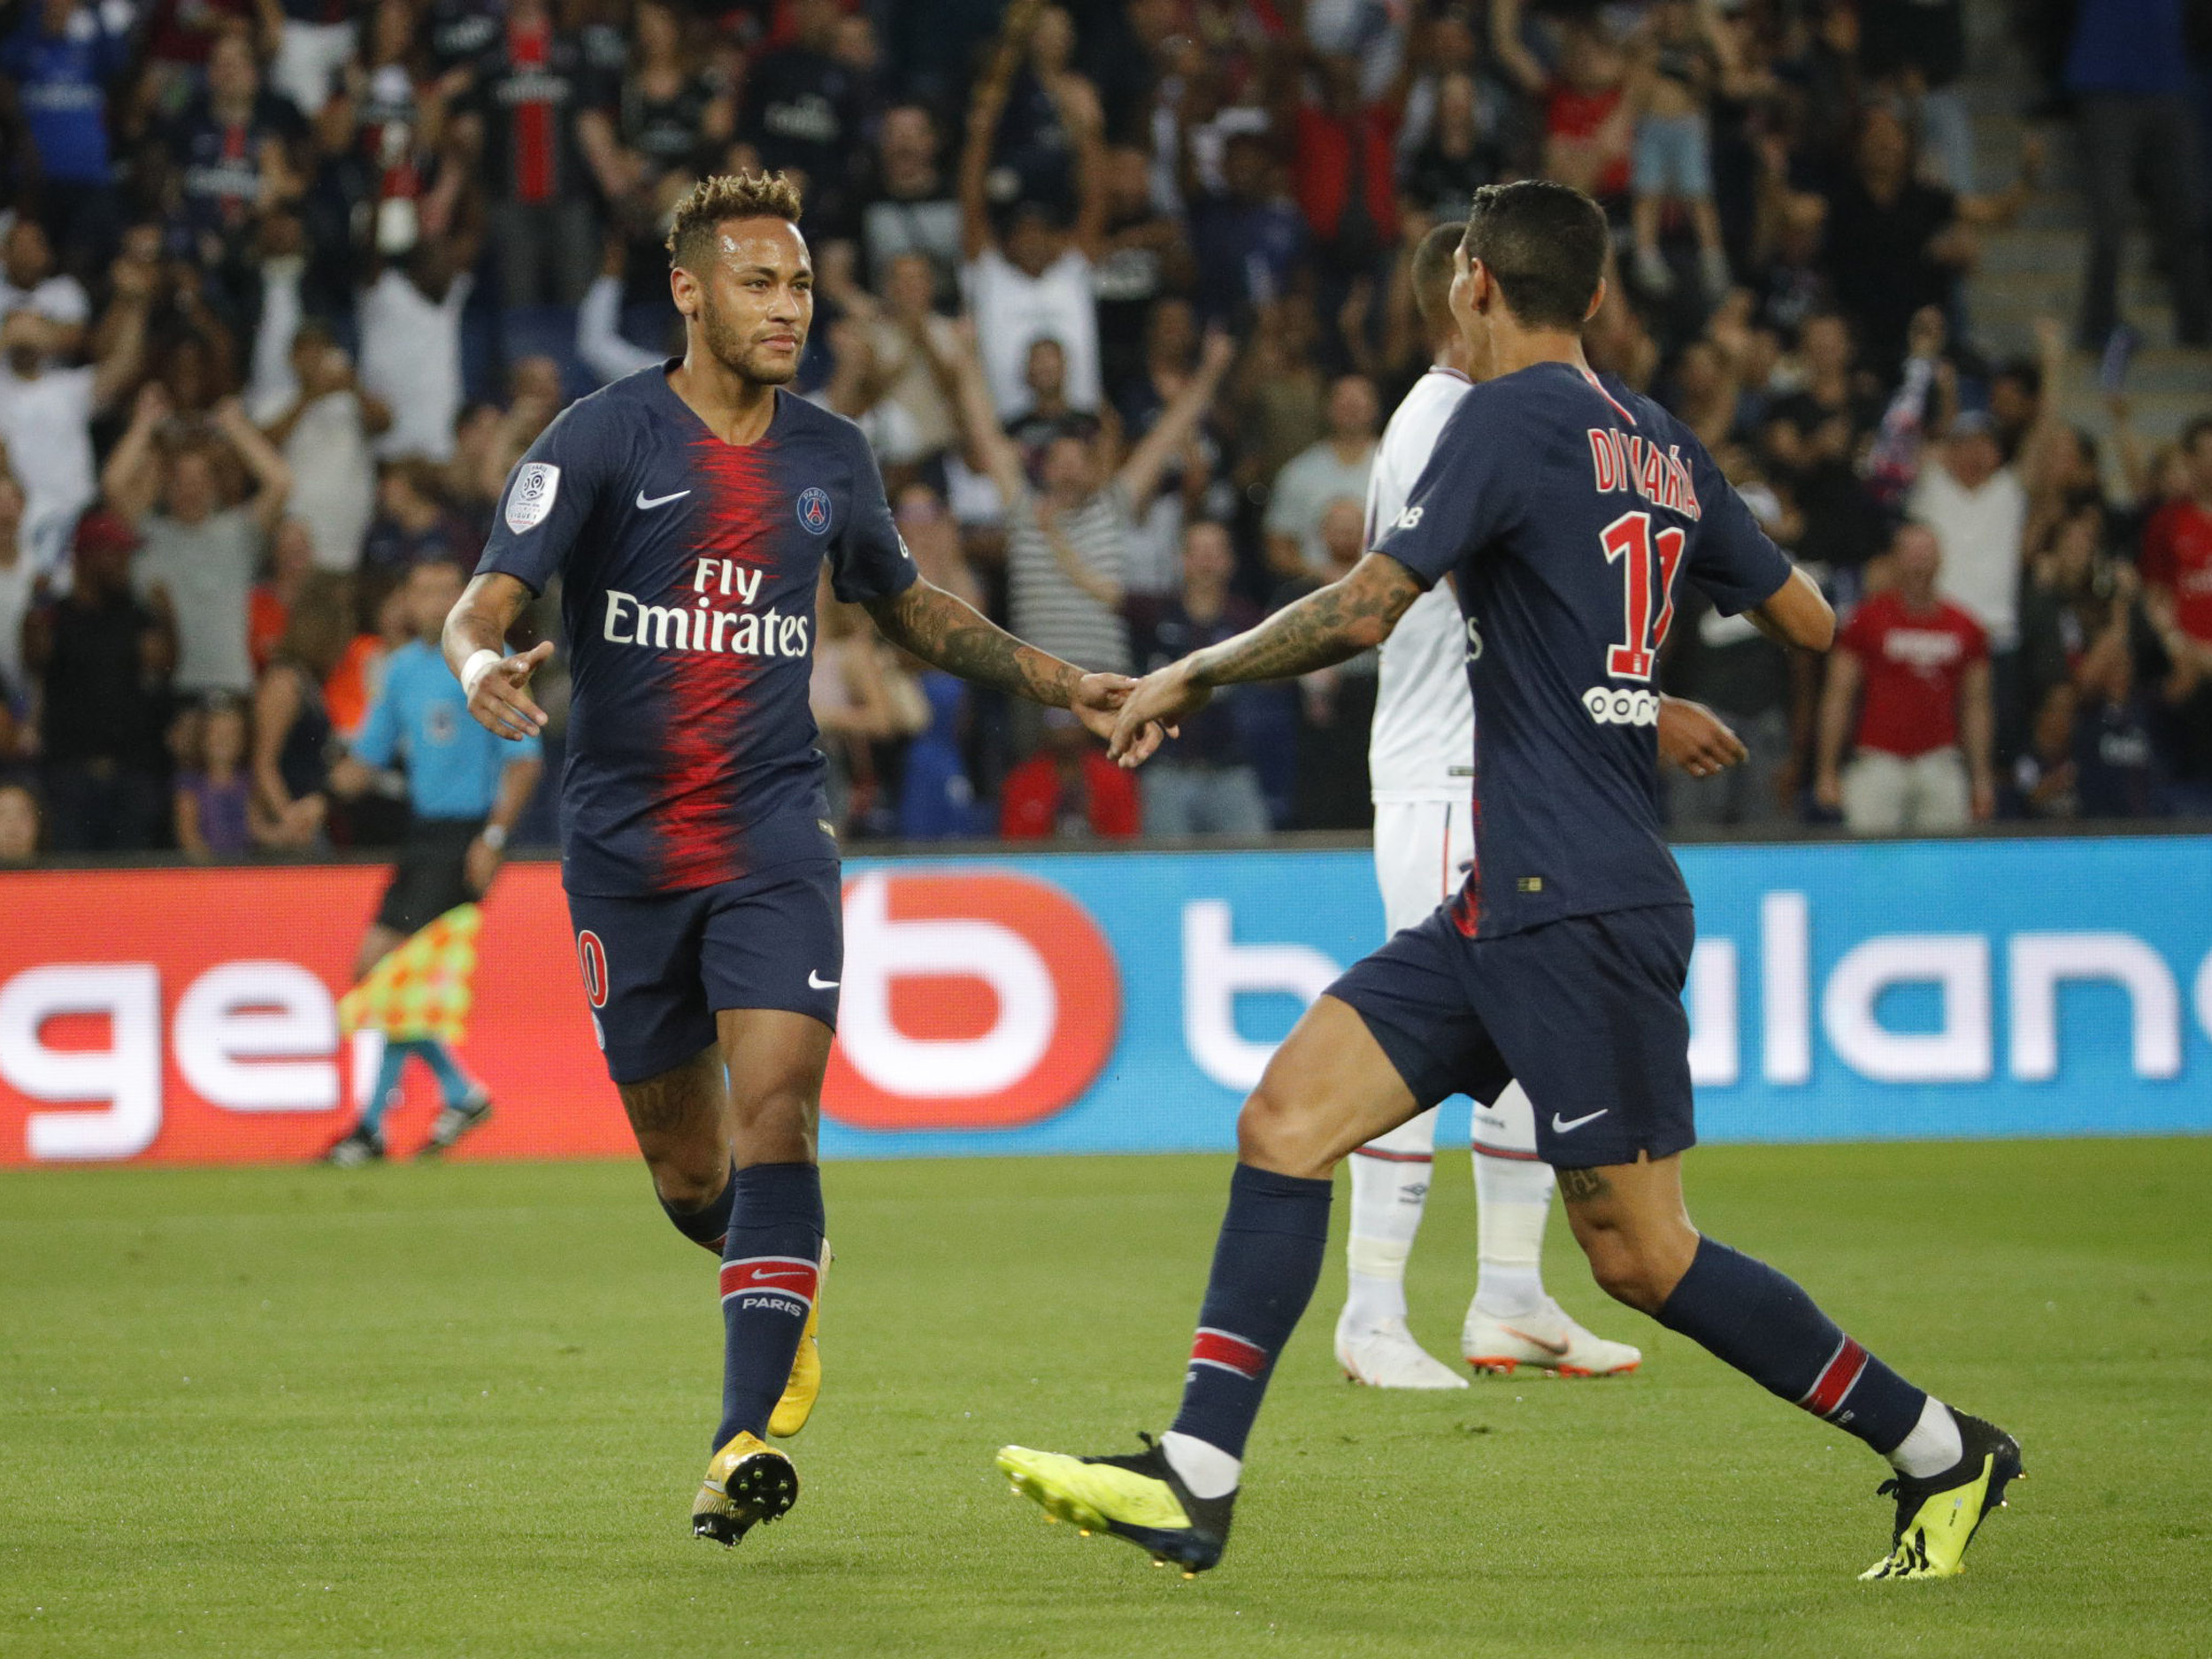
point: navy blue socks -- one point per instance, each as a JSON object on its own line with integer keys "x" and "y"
{"x": 770, "y": 1267}
{"x": 1265, "y": 1266}
{"x": 1759, "y": 1321}
{"x": 708, "y": 1225}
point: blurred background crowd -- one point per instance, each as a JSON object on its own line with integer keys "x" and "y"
{"x": 1118, "y": 291}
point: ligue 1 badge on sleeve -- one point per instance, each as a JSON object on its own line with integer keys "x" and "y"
{"x": 530, "y": 498}
{"x": 814, "y": 510}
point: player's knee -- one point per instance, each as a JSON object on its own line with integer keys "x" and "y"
{"x": 1623, "y": 1271}
{"x": 1274, "y": 1132}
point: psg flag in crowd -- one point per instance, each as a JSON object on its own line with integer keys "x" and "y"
{"x": 421, "y": 988}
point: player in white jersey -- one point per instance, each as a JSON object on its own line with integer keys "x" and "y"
{"x": 1417, "y": 765}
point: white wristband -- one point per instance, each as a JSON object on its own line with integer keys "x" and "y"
{"x": 472, "y": 672}
{"x": 494, "y": 836}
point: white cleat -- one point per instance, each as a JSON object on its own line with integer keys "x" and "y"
{"x": 1387, "y": 1357}
{"x": 1546, "y": 1339}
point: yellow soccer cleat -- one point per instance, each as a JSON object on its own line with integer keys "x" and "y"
{"x": 1937, "y": 1517}
{"x": 747, "y": 1482}
{"x": 805, "y": 1384}
{"x": 1139, "y": 1498}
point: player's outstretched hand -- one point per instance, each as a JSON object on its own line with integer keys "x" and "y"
{"x": 1158, "y": 701}
{"x": 1098, "y": 704}
{"x": 501, "y": 699}
{"x": 1692, "y": 737}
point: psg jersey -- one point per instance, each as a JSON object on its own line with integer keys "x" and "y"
{"x": 688, "y": 570}
{"x": 1567, "y": 510}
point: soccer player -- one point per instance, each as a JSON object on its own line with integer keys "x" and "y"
{"x": 1417, "y": 762}
{"x": 466, "y": 790}
{"x": 1566, "y": 508}
{"x": 689, "y": 509}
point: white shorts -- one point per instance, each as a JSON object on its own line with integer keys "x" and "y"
{"x": 1423, "y": 851}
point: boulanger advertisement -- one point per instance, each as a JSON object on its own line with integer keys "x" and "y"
{"x": 1125, "y": 1001}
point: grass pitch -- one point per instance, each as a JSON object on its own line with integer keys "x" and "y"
{"x": 463, "y": 1410}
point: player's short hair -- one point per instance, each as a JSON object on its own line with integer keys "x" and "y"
{"x": 1544, "y": 244}
{"x": 726, "y": 197}
{"x": 1433, "y": 275}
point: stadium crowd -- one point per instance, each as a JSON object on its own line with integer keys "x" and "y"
{"x": 1119, "y": 291}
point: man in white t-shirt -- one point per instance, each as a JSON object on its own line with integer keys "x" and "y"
{"x": 29, "y": 281}
{"x": 1037, "y": 285}
{"x": 411, "y": 349}
{"x": 46, "y": 412}
{"x": 1979, "y": 509}
{"x": 1420, "y": 763}
{"x": 1336, "y": 466}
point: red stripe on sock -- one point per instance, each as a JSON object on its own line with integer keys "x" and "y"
{"x": 1836, "y": 1379}
{"x": 785, "y": 1274}
{"x": 1510, "y": 1152}
{"x": 1394, "y": 1157}
{"x": 1230, "y": 1353}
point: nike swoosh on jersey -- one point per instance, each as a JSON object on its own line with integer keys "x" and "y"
{"x": 816, "y": 982}
{"x": 647, "y": 505}
{"x": 1560, "y": 1128}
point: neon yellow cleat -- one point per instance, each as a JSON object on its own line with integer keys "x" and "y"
{"x": 747, "y": 1482}
{"x": 1138, "y": 1498}
{"x": 1937, "y": 1517}
{"x": 805, "y": 1384}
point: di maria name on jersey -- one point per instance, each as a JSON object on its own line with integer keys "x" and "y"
{"x": 688, "y": 570}
{"x": 1566, "y": 508}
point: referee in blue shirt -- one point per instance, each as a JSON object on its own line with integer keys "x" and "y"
{"x": 467, "y": 789}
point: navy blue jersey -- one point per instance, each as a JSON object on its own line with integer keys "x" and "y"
{"x": 688, "y": 569}
{"x": 1567, "y": 509}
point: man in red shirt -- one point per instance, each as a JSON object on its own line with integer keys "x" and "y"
{"x": 2177, "y": 570}
{"x": 1923, "y": 738}
{"x": 1068, "y": 790}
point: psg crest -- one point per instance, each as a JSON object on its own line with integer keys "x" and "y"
{"x": 814, "y": 510}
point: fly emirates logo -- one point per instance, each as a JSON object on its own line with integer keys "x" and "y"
{"x": 706, "y": 626}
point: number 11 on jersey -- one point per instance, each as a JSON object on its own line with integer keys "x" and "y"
{"x": 1647, "y": 566}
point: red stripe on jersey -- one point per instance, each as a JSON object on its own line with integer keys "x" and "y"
{"x": 1598, "y": 386}
{"x": 1230, "y": 1353}
{"x": 1836, "y": 1379}
{"x": 791, "y": 1275}
{"x": 529, "y": 47}
{"x": 710, "y": 692}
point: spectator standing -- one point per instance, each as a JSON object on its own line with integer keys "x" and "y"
{"x": 29, "y": 281}
{"x": 1334, "y": 468}
{"x": 240, "y": 153}
{"x": 1681, "y": 59}
{"x": 324, "y": 431}
{"x": 2177, "y": 570}
{"x": 1068, "y": 790}
{"x": 314, "y": 40}
{"x": 413, "y": 524}
{"x": 1208, "y": 786}
{"x": 911, "y": 207}
{"x": 1067, "y": 549}
{"x": 1463, "y": 150}
{"x": 200, "y": 557}
{"x": 213, "y": 805}
{"x": 101, "y": 658}
{"x": 1336, "y": 705}
{"x": 2129, "y": 68}
{"x": 63, "y": 58}
{"x": 410, "y": 347}
{"x": 1814, "y": 437}
{"x": 1247, "y": 238}
{"x": 1913, "y": 52}
{"x": 1142, "y": 257}
{"x": 46, "y": 410}
{"x": 803, "y": 111}
{"x": 536, "y": 116}
{"x": 1923, "y": 730}
{"x": 292, "y": 728}
{"x": 1039, "y": 285}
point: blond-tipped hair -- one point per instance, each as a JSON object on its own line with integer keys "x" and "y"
{"x": 726, "y": 197}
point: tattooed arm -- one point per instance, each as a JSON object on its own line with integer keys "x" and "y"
{"x": 1331, "y": 624}
{"x": 951, "y": 634}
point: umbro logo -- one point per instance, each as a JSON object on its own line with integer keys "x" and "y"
{"x": 646, "y": 504}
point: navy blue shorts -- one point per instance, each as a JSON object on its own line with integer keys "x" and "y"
{"x": 1585, "y": 1013}
{"x": 657, "y": 969}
